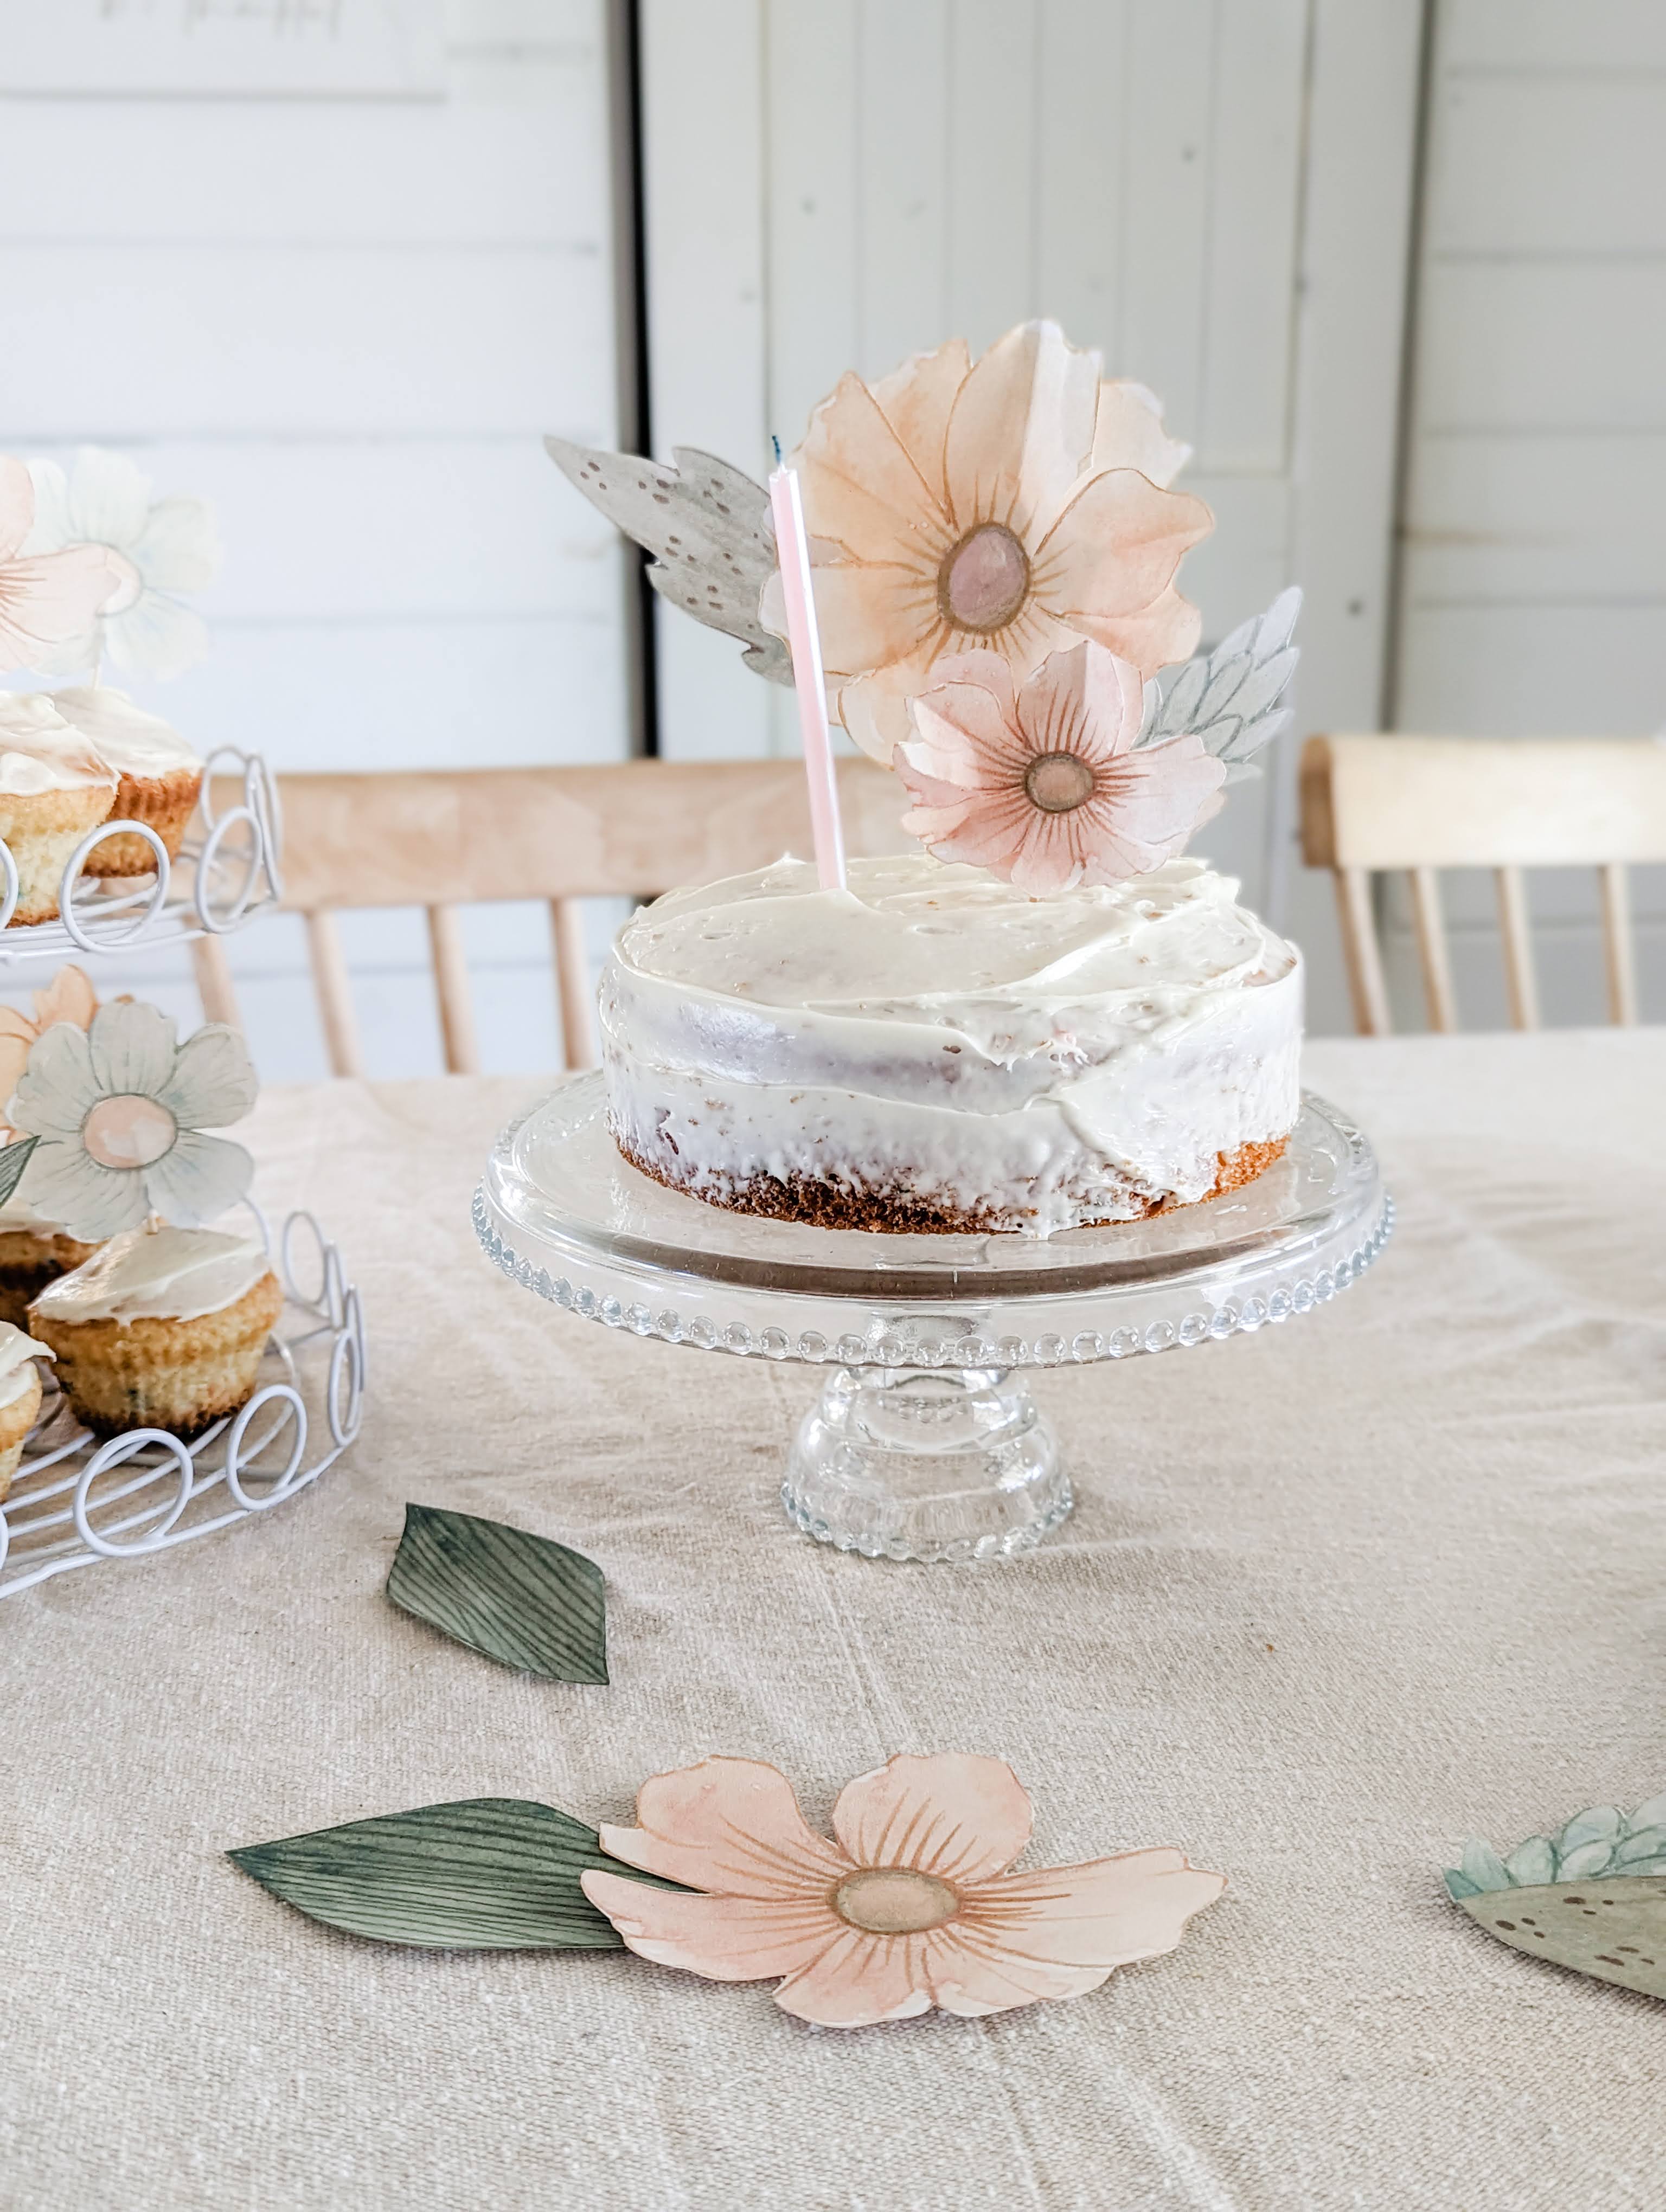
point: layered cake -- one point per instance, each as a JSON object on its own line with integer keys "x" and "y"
{"x": 1047, "y": 1019}
{"x": 932, "y": 1049}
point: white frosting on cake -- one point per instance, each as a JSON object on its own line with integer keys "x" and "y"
{"x": 132, "y": 741}
{"x": 40, "y": 751}
{"x": 162, "y": 1274}
{"x": 18, "y": 1353}
{"x": 1034, "y": 1062}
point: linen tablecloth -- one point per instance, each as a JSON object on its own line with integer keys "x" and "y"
{"x": 1334, "y": 1597}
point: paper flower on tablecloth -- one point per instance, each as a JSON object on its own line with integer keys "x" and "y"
{"x": 156, "y": 548}
{"x": 120, "y": 1111}
{"x": 47, "y": 595}
{"x": 1006, "y": 506}
{"x": 912, "y": 1906}
{"x": 70, "y": 997}
{"x": 1043, "y": 785}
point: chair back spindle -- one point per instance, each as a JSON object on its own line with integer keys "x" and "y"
{"x": 1375, "y": 805}
{"x": 445, "y": 840}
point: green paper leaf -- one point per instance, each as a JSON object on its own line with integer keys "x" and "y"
{"x": 496, "y": 1874}
{"x": 522, "y": 1600}
{"x": 14, "y": 1158}
{"x": 1614, "y": 1928}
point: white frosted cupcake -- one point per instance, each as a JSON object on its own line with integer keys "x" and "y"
{"x": 162, "y": 1328}
{"x": 158, "y": 775}
{"x": 35, "y": 1251}
{"x": 54, "y": 788}
{"x": 20, "y": 1397}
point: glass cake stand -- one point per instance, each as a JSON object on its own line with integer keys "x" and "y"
{"x": 926, "y": 1443}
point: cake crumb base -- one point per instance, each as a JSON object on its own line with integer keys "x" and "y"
{"x": 901, "y": 1210}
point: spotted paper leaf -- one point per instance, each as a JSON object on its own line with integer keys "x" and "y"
{"x": 498, "y": 1874}
{"x": 522, "y": 1600}
{"x": 1230, "y": 698}
{"x": 1591, "y": 1896}
{"x": 708, "y": 527}
{"x": 1613, "y": 1929}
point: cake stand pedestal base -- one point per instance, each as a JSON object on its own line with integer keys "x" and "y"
{"x": 929, "y": 1464}
{"x": 925, "y": 1444}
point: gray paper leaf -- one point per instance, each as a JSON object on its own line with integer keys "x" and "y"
{"x": 1229, "y": 698}
{"x": 520, "y": 1599}
{"x": 708, "y": 527}
{"x": 485, "y": 1873}
{"x": 14, "y": 1158}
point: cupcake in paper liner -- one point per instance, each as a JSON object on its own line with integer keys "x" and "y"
{"x": 20, "y": 1397}
{"x": 159, "y": 776}
{"x": 162, "y": 1328}
{"x": 54, "y": 788}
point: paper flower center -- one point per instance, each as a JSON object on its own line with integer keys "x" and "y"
{"x": 984, "y": 579}
{"x": 129, "y": 1131}
{"x": 1058, "y": 782}
{"x": 894, "y": 1901}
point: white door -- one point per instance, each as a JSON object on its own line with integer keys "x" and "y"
{"x": 1213, "y": 192}
{"x": 1535, "y": 586}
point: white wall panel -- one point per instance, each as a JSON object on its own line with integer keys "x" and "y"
{"x": 1492, "y": 37}
{"x": 343, "y": 304}
{"x": 1551, "y": 163}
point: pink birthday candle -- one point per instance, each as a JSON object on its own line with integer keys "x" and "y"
{"x": 793, "y": 552}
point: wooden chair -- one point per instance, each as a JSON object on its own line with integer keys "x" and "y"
{"x": 1507, "y": 804}
{"x": 447, "y": 839}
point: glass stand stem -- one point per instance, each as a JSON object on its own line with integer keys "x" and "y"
{"x": 925, "y": 1463}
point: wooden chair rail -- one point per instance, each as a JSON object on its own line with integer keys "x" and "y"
{"x": 446, "y": 839}
{"x": 1376, "y": 803}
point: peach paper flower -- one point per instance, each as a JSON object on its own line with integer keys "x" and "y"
{"x": 1045, "y": 787}
{"x": 70, "y": 997}
{"x": 911, "y": 1907}
{"x": 48, "y": 596}
{"x": 1015, "y": 505}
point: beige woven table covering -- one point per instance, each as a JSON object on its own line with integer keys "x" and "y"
{"x": 1333, "y": 1596}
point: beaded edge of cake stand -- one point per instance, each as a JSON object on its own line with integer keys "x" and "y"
{"x": 50, "y": 1496}
{"x": 893, "y": 1345}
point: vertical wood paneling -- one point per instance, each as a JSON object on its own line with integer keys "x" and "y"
{"x": 993, "y": 101}
{"x": 1167, "y": 101}
{"x": 902, "y": 141}
{"x": 813, "y": 209}
{"x": 704, "y": 206}
{"x": 1081, "y": 163}
{"x": 1248, "y": 278}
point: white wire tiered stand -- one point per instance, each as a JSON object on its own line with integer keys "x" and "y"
{"x": 926, "y": 1443}
{"x": 74, "y": 1501}
{"x": 228, "y": 872}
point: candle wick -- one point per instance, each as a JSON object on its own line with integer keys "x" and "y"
{"x": 776, "y": 442}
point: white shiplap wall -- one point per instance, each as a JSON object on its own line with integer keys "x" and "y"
{"x": 1213, "y": 192}
{"x": 338, "y": 270}
{"x": 1534, "y": 577}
